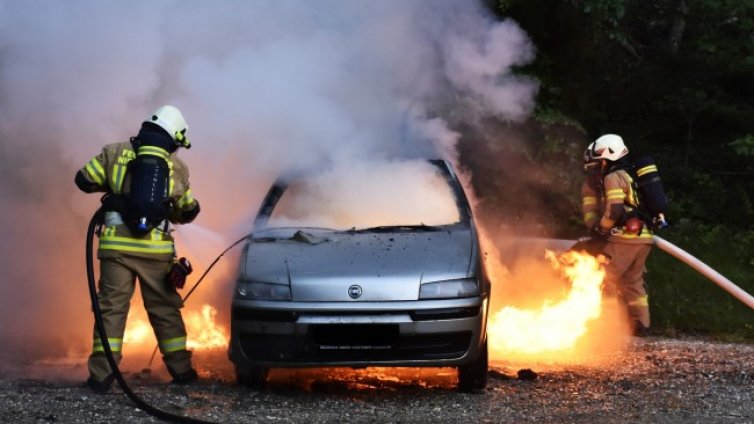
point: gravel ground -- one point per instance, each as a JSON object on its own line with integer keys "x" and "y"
{"x": 655, "y": 380}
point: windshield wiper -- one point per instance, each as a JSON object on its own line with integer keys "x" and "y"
{"x": 396, "y": 228}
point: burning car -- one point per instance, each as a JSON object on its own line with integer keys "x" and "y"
{"x": 372, "y": 268}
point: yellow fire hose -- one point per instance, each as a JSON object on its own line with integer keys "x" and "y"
{"x": 705, "y": 270}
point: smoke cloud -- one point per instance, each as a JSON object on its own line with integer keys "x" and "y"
{"x": 266, "y": 87}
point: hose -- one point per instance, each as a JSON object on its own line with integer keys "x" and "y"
{"x": 705, "y": 270}
{"x": 154, "y": 352}
{"x": 97, "y": 220}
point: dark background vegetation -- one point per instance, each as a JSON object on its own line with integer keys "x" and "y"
{"x": 675, "y": 78}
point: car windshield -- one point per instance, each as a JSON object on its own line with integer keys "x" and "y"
{"x": 411, "y": 193}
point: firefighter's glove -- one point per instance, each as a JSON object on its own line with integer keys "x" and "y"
{"x": 178, "y": 273}
{"x": 599, "y": 233}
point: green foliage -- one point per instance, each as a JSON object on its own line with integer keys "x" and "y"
{"x": 549, "y": 117}
{"x": 682, "y": 300}
{"x": 607, "y": 13}
{"x": 553, "y": 143}
{"x": 744, "y": 146}
{"x": 717, "y": 23}
{"x": 501, "y": 6}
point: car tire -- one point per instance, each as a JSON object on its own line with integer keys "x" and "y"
{"x": 253, "y": 377}
{"x": 472, "y": 377}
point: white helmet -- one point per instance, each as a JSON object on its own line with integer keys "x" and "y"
{"x": 609, "y": 146}
{"x": 171, "y": 120}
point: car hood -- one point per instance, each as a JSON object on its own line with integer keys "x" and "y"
{"x": 386, "y": 266}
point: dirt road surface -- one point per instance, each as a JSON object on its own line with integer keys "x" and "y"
{"x": 655, "y": 380}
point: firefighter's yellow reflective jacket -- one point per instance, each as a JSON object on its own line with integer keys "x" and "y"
{"x": 108, "y": 173}
{"x": 609, "y": 203}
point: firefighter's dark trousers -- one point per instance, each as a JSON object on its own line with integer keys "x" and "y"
{"x": 118, "y": 273}
{"x": 626, "y": 270}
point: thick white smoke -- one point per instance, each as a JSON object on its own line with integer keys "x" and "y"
{"x": 265, "y": 86}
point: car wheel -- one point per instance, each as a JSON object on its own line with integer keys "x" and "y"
{"x": 472, "y": 377}
{"x": 252, "y": 377}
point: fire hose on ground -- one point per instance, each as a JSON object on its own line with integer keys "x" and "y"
{"x": 96, "y": 221}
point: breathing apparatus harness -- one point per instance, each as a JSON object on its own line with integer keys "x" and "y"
{"x": 148, "y": 201}
{"x": 645, "y": 182}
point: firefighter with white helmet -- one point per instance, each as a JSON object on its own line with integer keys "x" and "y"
{"x": 147, "y": 189}
{"x": 610, "y": 206}
{"x": 170, "y": 119}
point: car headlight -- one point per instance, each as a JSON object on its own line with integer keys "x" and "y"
{"x": 450, "y": 289}
{"x": 263, "y": 291}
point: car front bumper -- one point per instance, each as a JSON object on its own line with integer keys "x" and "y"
{"x": 448, "y": 332}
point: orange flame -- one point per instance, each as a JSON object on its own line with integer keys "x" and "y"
{"x": 203, "y": 331}
{"x": 138, "y": 331}
{"x": 556, "y": 326}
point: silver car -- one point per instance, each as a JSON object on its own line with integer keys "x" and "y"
{"x": 405, "y": 290}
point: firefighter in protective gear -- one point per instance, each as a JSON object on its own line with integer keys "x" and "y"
{"x": 610, "y": 206}
{"x": 125, "y": 255}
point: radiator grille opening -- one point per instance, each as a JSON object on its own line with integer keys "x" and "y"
{"x": 354, "y": 343}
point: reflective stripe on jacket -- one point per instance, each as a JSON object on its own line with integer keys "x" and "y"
{"x": 591, "y": 203}
{"x": 108, "y": 171}
{"x": 617, "y": 199}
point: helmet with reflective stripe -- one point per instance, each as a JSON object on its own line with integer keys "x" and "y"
{"x": 609, "y": 147}
{"x": 171, "y": 120}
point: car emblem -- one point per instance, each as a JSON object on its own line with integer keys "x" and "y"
{"x": 354, "y": 291}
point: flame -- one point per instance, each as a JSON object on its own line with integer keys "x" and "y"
{"x": 138, "y": 331}
{"x": 554, "y": 328}
{"x": 203, "y": 331}
{"x": 364, "y": 378}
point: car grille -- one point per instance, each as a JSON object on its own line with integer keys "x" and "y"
{"x": 354, "y": 342}
{"x": 446, "y": 313}
{"x": 272, "y": 315}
